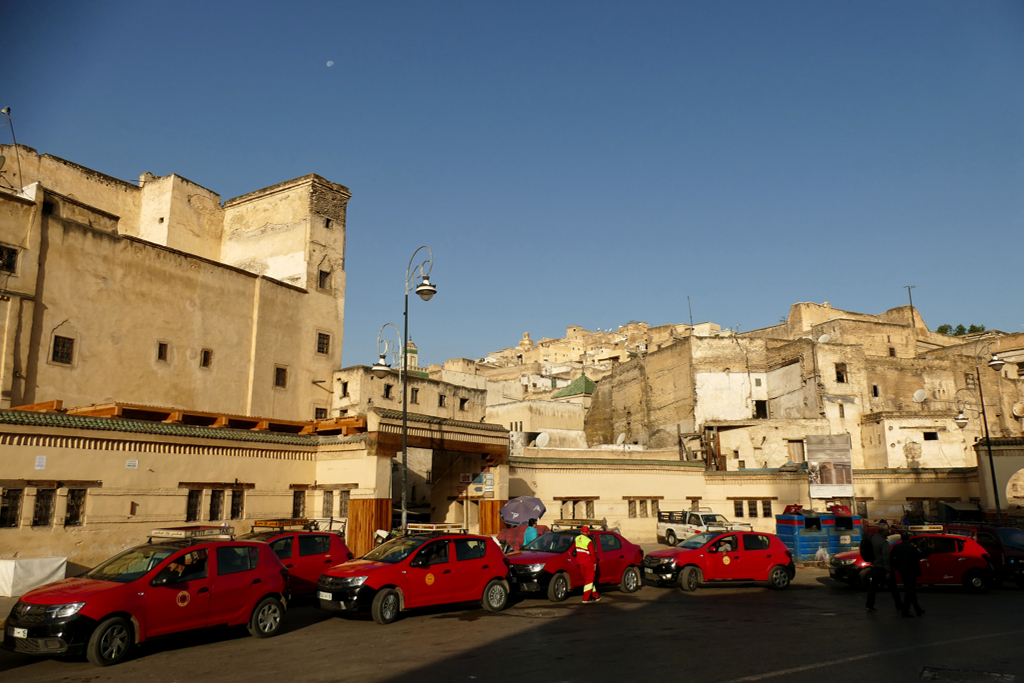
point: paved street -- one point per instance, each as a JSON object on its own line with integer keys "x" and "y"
{"x": 815, "y": 631}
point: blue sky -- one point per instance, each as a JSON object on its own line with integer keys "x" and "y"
{"x": 575, "y": 163}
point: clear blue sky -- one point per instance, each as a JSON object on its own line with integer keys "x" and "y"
{"x": 575, "y": 163}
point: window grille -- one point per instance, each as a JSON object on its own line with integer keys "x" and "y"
{"x": 42, "y": 514}
{"x": 280, "y": 377}
{"x": 328, "y": 504}
{"x": 63, "y": 350}
{"x": 216, "y": 504}
{"x": 343, "y": 504}
{"x": 298, "y": 504}
{"x": 195, "y": 499}
{"x": 10, "y": 508}
{"x": 8, "y": 259}
{"x": 737, "y": 508}
{"x": 75, "y": 508}
{"x": 323, "y": 342}
{"x": 238, "y": 504}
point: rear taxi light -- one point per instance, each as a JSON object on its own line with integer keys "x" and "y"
{"x": 789, "y": 554}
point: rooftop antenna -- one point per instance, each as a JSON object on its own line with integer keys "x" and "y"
{"x": 913, "y": 320}
{"x": 6, "y": 111}
{"x": 687, "y": 301}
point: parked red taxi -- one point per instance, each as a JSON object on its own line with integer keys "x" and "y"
{"x": 419, "y": 570}
{"x": 950, "y": 561}
{"x": 717, "y": 556}
{"x": 179, "y": 581}
{"x": 305, "y": 552}
{"x": 548, "y": 567}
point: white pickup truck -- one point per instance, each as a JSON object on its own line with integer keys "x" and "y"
{"x": 676, "y": 526}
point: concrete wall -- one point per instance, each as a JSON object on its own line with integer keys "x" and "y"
{"x": 366, "y": 392}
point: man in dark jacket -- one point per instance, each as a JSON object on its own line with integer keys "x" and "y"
{"x": 881, "y": 571}
{"x": 906, "y": 560}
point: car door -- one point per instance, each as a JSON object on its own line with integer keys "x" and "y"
{"x": 430, "y": 575}
{"x": 313, "y": 557}
{"x": 181, "y": 600}
{"x": 994, "y": 547}
{"x": 941, "y": 566}
{"x": 471, "y": 570}
{"x": 756, "y": 560}
{"x": 235, "y": 583}
{"x": 283, "y": 547}
{"x": 725, "y": 563}
{"x": 611, "y": 558}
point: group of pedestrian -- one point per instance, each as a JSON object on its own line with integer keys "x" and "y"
{"x": 886, "y": 563}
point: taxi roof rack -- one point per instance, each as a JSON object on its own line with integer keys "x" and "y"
{"x": 919, "y": 527}
{"x": 601, "y": 524}
{"x": 279, "y": 524}
{"x": 193, "y": 534}
{"x": 424, "y": 528}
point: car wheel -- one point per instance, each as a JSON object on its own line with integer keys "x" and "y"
{"x": 385, "y": 606}
{"x": 670, "y": 537}
{"x": 689, "y": 578}
{"x": 558, "y": 589}
{"x": 495, "y": 596}
{"x": 630, "y": 580}
{"x": 976, "y": 581}
{"x": 267, "y": 618}
{"x": 778, "y": 579}
{"x": 110, "y": 641}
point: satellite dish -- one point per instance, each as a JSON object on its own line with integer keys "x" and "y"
{"x": 542, "y": 439}
{"x": 621, "y": 439}
{"x": 1018, "y": 409}
{"x": 920, "y": 396}
{"x": 824, "y": 339}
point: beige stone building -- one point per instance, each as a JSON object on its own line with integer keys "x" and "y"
{"x": 159, "y": 293}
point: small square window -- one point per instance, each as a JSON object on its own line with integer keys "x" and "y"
{"x": 320, "y": 413}
{"x": 757, "y": 381}
{"x": 441, "y": 400}
{"x": 344, "y": 389}
{"x": 205, "y": 358}
{"x": 841, "y": 376}
{"x": 327, "y": 223}
{"x": 931, "y": 436}
{"x": 874, "y": 390}
{"x": 463, "y": 402}
{"x": 161, "y": 351}
{"x": 280, "y": 377}
{"x": 743, "y": 464}
{"x": 63, "y": 350}
{"x": 324, "y": 281}
{"x": 892, "y": 351}
{"x": 414, "y": 396}
{"x": 8, "y": 259}
{"x": 323, "y": 342}
{"x": 388, "y": 389}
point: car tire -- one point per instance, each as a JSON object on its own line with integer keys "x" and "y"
{"x": 267, "y": 618}
{"x": 558, "y": 589}
{"x": 670, "y": 537}
{"x": 689, "y": 578}
{"x": 110, "y": 642}
{"x": 495, "y": 596}
{"x": 630, "y": 580}
{"x": 386, "y": 605}
{"x": 976, "y": 581}
{"x": 778, "y": 578}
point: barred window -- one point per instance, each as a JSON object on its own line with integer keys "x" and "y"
{"x": 8, "y": 259}
{"x": 75, "y": 513}
{"x": 643, "y": 508}
{"x": 63, "y": 350}
{"x": 216, "y": 504}
{"x": 10, "y": 508}
{"x": 298, "y": 504}
{"x": 343, "y": 504}
{"x": 195, "y": 499}
{"x": 323, "y": 342}
{"x": 238, "y": 504}
{"x": 328, "y": 504}
{"x": 42, "y": 514}
{"x": 737, "y": 507}
{"x": 320, "y": 413}
{"x": 766, "y": 509}
{"x": 752, "y": 508}
{"x": 632, "y": 509}
{"x": 280, "y": 377}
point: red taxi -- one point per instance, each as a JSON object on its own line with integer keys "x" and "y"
{"x": 950, "y": 561}
{"x": 305, "y": 553}
{"x": 179, "y": 581}
{"x": 716, "y": 556}
{"x": 418, "y": 570}
{"x": 547, "y": 565}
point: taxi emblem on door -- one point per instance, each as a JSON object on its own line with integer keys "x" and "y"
{"x": 726, "y": 559}
{"x": 183, "y": 598}
{"x": 429, "y": 579}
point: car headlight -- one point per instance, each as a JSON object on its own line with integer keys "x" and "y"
{"x": 61, "y": 611}
{"x": 845, "y": 561}
{"x": 353, "y": 580}
{"x": 534, "y": 568}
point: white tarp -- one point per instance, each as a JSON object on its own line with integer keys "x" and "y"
{"x": 18, "y": 577}
{"x": 830, "y": 466}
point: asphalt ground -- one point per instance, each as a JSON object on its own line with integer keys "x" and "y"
{"x": 817, "y": 630}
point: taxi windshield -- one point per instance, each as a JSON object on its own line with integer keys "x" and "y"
{"x": 551, "y": 543}
{"x": 698, "y": 540}
{"x": 396, "y": 549}
{"x": 1012, "y": 538}
{"x": 131, "y": 564}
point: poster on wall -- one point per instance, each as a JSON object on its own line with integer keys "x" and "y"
{"x": 830, "y": 466}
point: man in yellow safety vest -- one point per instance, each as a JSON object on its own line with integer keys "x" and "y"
{"x": 586, "y": 554}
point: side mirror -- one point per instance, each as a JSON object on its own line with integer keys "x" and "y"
{"x": 713, "y": 549}
{"x": 418, "y": 561}
{"x": 160, "y": 580}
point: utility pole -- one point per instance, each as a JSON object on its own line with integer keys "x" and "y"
{"x": 913, "y": 320}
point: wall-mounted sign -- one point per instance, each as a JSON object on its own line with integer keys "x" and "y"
{"x": 830, "y": 466}
{"x": 131, "y": 464}
{"x": 40, "y": 462}
{"x": 465, "y": 478}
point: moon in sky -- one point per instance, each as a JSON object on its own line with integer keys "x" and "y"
{"x": 330, "y": 63}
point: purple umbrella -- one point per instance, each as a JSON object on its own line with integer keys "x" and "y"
{"x": 522, "y": 509}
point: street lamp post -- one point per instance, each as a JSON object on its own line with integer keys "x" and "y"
{"x": 961, "y": 420}
{"x": 426, "y": 291}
